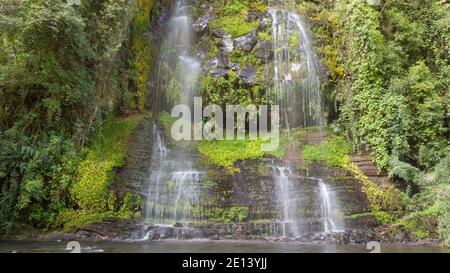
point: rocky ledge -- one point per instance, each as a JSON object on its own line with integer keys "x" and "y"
{"x": 127, "y": 231}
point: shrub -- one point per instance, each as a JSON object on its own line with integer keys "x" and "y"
{"x": 35, "y": 178}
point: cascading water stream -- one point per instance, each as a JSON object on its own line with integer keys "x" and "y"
{"x": 297, "y": 84}
{"x": 297, "y": 90}
{"x": 286, "y": 199}
{"x": 326, "y": 208}
{"x": 173, "y": 188}
{"x": 306, "y": 204}
{"x": 179, "y": 70}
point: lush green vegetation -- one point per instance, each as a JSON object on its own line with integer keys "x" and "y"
{"x": 332, "y": 152}
{"x": 90, "y": 193}
{"x": 233, "y": 16}
{"x": 68, "y": 72}
{"x": 143, "y": 51}
{"x": 63, "y": 70}
{"x": 226, "y": 153}
{"x": 389, "y": 71}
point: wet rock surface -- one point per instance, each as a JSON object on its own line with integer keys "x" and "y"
{"x": 248, "y": 75}
{"x": 247, "y": 42}
{"x": 264, "y": 51}
{"x": 252, "y": 188}
{"x": 128, "y": 231}
{"x": 201, "y": 25}
{"x": 138, "y": 162}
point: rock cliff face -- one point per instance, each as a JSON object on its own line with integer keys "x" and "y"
{"x": 244, "y": 204}
{"x": 256, "y": 201}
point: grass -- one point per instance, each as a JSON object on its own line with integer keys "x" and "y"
{"x": 166, "y": 121}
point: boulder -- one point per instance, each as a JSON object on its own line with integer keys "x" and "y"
{"x": 263, "y": 51}
{"x": 201, "y": 25}
{"x": 216, "y": 33}
{"x": 247, "y": 76}
{"x": 218, "y": 73}
{"x": 225, "y": 46}
{"x": 247, "y": 42}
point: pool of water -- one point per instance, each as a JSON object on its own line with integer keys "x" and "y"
{"x": 206, "y": 246}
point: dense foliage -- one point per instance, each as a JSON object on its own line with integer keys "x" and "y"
{"x": 63, "y": 70}
{"x": 67, "y": 71}
{"x": 389, "y": 67}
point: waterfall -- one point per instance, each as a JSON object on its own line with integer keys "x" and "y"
{"x": 297, "y": 83}
{"x": 179, "y": 70}
{"x": 174, "y": 185}
{"x": 292, "y": 193}
{"x": 297, "y": 90}
{"x": 160, "y": 148}
{"x": 286, "y": 200}
{"x": 330, "y": 223}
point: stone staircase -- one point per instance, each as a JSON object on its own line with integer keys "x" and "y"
{"x": 368, "y": 167}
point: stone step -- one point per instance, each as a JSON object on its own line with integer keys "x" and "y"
{"x": 369, "y": 169}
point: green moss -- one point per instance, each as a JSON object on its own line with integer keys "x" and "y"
{"x": 245, "y": 59}
{"x": 131, "y": 206}
{"x": 72, "y": 219}
{"x": 142, "y": 50}
{"x": 331, "y": 152}
{"x": 225, "y": 153}
{"x": 224, "y": 215}
{"x": 294, "y": 40}
{"x": 96, "y": 172}
{"x": 360, "y": 214}
{"x": 231, "y": 90}
{"x": 382, "y": 216}
{"x": 386, "y": 202}
{"x": 258, "y": 5}
{"x": 222, "y": 91}
{"x": 234, "y": 20}
{"x": 265, "y": 36}
{"x": 235, "y": 213}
